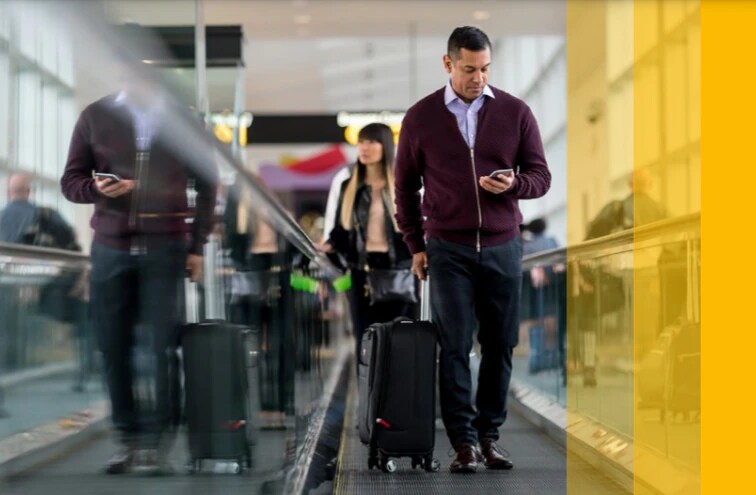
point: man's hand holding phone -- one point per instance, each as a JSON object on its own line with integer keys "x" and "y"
{"x": 499, "y": 181}
{"x": 112, "y": 186}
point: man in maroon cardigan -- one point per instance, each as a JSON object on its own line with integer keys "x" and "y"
{"x": 146, "y": 237}
{"x": 464, "y": 144}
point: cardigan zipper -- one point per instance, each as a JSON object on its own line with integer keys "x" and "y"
{"x": 477, "y": 201}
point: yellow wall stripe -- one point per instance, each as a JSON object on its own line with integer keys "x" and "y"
{"x": 728, "y": 182}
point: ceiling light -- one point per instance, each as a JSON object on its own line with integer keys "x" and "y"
{"x": 302, "y": 19}
{"x": 481, "y": 15}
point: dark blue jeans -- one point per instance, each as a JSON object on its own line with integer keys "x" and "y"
{"x": 135, "y": 313}
{"x": 472, "y": 290}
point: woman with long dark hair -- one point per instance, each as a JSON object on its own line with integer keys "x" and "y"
{"x": 365, "y": 232}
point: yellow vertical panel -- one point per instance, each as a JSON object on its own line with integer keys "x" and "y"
{"x": 694, "y": 169}
{"x": 599, "y": 152}
{"x": 646, "y": 34}
{"x": 586, "y": 113}
{"x": 728, "y": 340}
{"x": 673, "y": 13}
{"x": 619, "y": 38}
{"x": 646, "y": 95}
{"x": 675, "y": 95}
{"x": 666, "y": 93}
{"x": 677, "y": 191}
{"x": 693, "y": 49}
{"x": 619, "y": 109}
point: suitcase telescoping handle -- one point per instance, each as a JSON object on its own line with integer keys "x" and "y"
{"x": 212, "y": 284}
{"x": 425, "y": 311}
{"x": 191, "y": 298}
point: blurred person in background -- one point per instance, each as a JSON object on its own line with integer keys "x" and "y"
{"x": 605, "y": 283}
{"x": 365, "y": 234}
{"x": 535, "y": 239}
{"x": 142, "y": 248}
{"x": 543, "y": 317}
{"x": 312, "y": 223}
{"x": 24, "y": 222}
{"x": 636, "y": 209}
{"x": 260, "y": 298}
{"x": 332, "y": 203}
{"x": 463, "y": 144}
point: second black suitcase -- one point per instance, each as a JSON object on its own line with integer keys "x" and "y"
{"x": 222, "y": 399}
{"x": 397, "y": 384}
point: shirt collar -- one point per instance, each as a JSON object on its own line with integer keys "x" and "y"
{"x": 450, "y": 95}
{"x": 122, "y": 99}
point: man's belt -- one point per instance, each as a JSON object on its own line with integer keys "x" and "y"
{"x": 164, "y": 215}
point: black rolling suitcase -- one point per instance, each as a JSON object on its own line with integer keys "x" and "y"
{"x": 220, "y": 382}
{"x": 397, "y": 384}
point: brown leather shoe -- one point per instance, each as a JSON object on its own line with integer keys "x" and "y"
{"x": 466, "y": 460}
{"x": 493, "y": 456}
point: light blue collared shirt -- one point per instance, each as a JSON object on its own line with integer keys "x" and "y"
{"x": 467, "y": 115}
{"x": 145, "y": 121}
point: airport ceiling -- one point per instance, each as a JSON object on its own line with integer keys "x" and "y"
{"x": 323, "y": 56}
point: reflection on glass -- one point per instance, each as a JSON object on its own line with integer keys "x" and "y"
{"x": 636, "y": 373}
{"x": 275, "y": 289}
{"x": 539, "y": 360}
{"x": 668, "y": 352}
{"x": 46, "y": 342}
{"x": 154, "y": 212}
{"x": 46, "y": 345}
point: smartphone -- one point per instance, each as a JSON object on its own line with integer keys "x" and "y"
{"x": 112, "y": 177}
{"x": 501, "y": 171}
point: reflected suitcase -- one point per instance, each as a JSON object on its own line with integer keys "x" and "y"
{"x": 397, "y": 385}
{"x": 669, "y": 375}
{"x": 221, "y": 389}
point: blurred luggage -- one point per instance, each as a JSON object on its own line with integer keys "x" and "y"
{"x": 221, "y": 389}
{"x": 669, "y": 376}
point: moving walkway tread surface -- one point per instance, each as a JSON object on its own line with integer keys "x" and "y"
{"x": 540, "y": 467}
{"x": 80, "y": 473}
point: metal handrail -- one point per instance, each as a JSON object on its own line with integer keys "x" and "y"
{"x": 280, "y": 218}
{"x": 44, "y": 253}
{"x": 679, "y": 224}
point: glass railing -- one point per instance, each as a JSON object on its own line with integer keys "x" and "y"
{"x": 632, "y": 366}
{"x": 286, "y": 296}
{"x": 263, "y": 273}
{"x": 539, "y": 359}
{"x": 49, "y": 368}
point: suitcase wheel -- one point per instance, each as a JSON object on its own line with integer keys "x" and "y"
{"x": 431, "y": 465}
{"x": 388, "y": 465}
{"x": 194, "y": 466}
{"x": 372, "y": 462}
{"x": 417, "y": 462}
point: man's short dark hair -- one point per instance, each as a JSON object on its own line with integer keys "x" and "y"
{"x": 469, "y": 38}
